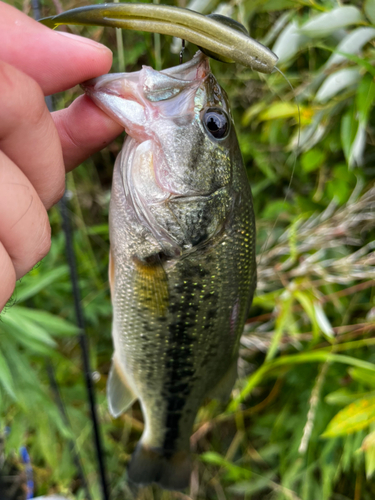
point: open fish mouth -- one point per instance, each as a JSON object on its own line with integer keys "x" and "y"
{"x": 195, "y": 69}
{"x": 158, "y": 106}
{"x": 126, "y": 97}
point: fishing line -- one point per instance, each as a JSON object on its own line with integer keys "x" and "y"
{"x": 295, "y": 153}
{"x": 82, "y": 337}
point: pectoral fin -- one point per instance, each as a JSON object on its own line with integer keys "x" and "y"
{"x": 151, "y": 286}
{"x": 120, "y": 396}
{"x": 224, "y": 388}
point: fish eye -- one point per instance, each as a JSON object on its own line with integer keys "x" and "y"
{"x": 216, "y": 122}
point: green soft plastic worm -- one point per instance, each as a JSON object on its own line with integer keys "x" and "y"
{"x": 218, "y": 36}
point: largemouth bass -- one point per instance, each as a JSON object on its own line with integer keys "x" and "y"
{"x": 182, "y": 268}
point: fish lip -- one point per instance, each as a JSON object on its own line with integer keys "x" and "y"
{"x": 203, "y": 65}
{"x": 199, "y": 60}
{"x": 98, "y": 84}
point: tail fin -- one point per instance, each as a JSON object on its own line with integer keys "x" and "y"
{"x": 150, "y": 465}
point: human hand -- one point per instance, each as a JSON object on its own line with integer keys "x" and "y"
{"x": 37, "y": 148}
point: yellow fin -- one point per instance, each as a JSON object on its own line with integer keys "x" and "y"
{"x": 151, "y": 286}
{"x": 120, "y": 396}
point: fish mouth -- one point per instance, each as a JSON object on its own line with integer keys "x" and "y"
{"x": 156, "y": 105}
{"x": 159, "y": 110}
{"x": 196, "y": 69}
{"x": 134, "y": 99}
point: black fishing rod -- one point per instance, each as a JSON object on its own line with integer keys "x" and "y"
{"x": 84, "y": 343}
{"x": 83, "y": 339}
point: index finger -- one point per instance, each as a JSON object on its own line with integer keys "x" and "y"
{"x": 56, "y": 60}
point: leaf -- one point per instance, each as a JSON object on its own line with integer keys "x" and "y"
{"x": 352, "y": 418}
{"x": 30, "y": 286}
{"x": 365, "y": 97}
{"x": 306, "y": 357}
{"x": 333, "y": 84}
{"x": 6, "y": 379}
{"x": 250, "y": 487}
{"x": 280, "y": 110}
{"x": 325, "y": 24}
{"x": 252, "y": 112}
{"x": 283, "y": 322}
{"x": 22, "y": 371}
{"x": 261, "y": 161}
{"x": 307, "y": 304}
{"x": 267, "y": 300}
{"x": 24, "y": 328}
{"x": 337, "y": 189}
{"x": 235, "y": 472}
{"x": 289, "y": 42}
{"x": 361, "y": 61}
{"x": 211, "y": 457}
{"x": 358, "y": 146}
{"x": 46, "y": 440}
{"x": 277, "y": 208}
{"x": 348, "y": 131}
{"x": 322, "y": 320}
{"x": 50, "y": 322}
{"x": 351, "y": 44}
{"x": 343, "y": 397}
{"x": 272, "y": 5}
{"x": 368, "y": 447}
{"x": 99, "y": 229}
{"x": 16, "y": 437}
{"x": 312, "y": 135}
{"x": 313, "y": 159}
{"x": 202, "y": 6}
{"x": 369, "y": 8}
{"x": 363, "y": 376}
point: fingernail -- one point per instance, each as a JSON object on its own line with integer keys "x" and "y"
{"x": 86, "y": 41}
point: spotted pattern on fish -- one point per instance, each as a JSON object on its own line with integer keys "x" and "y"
{"x": 183, "y": 267}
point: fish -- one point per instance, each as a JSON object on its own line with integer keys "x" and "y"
{"x": 182, "y": 265}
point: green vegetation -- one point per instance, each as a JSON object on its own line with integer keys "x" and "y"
{"x": 301, "y": 422}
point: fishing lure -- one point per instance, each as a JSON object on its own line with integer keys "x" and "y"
{"x": 225, "y": 39}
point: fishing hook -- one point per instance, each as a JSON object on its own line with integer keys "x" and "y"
{"x": 182, "y": 51}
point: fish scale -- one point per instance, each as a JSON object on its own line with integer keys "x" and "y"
{"x": 182, "y": 266}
